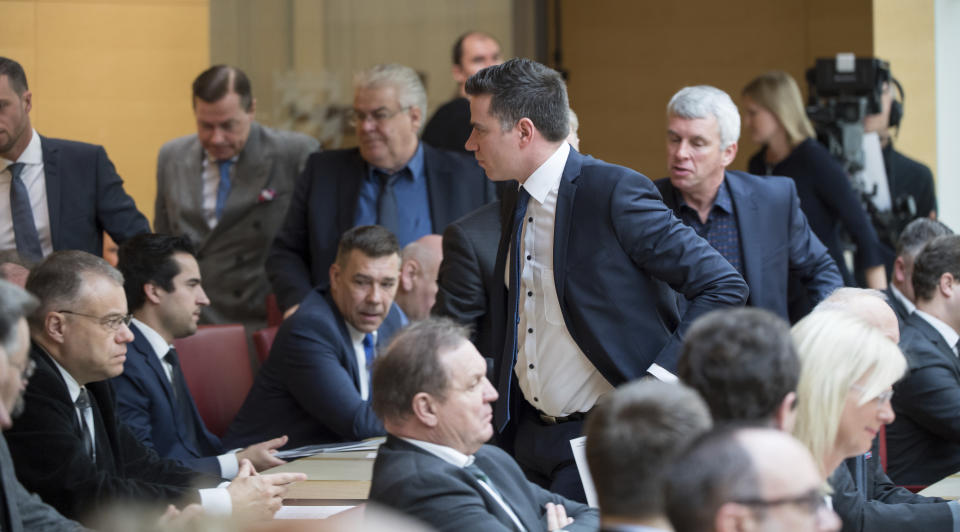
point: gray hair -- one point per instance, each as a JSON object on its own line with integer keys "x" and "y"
{"x": 58, "y": 279}
{"x": 15, "y": 303}
{"x": 704, "y": 101}
{"x": 916, "y": 235}
{"x": 404, "y": 80}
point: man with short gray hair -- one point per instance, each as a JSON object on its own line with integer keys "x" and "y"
{"x": 915, "y": 235}
{"x": 431, "y": 390}
{"x": 391, "y": 179}
{"x": 754, "y": 222}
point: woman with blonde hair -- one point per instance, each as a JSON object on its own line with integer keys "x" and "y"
{"x": 847, "y": 371}
{"x": 775, "y": 117}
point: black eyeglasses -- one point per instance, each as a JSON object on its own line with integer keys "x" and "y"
{"x": 811, "y": 501}
{"x": 111, "y": 321}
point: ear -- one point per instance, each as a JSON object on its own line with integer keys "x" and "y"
{"x": 253, "y": 107}
{"x": 416, "y": 117}
{"x": 424, "y": 408}
{"x": 729, "y": 154}
{"x": 408, "y": 274}
{"x": 900, "y": 270}
{"x": 152, "y": 293}
{"x": 334, "y": 273}
{"x": 27, "y": 101}
{"x": 459, "y": 75}
{"x": 527, "y": 131}
{"x": 733, "y": 517}
{"x": 786, "y": 413}
{"x": 54, "y": 326}
{"x": 946, "y": 285}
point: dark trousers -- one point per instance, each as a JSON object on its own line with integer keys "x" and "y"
{"x": 543, "y": 452}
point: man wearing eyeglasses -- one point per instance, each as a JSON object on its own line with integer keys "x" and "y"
{"x": 227, "y": 188}
{"x": 747, "y": 479}
{"x": 69, "y": 446}
{"x": 391, "y": 179}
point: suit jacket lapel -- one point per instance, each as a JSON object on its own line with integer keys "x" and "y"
{"x": 51, "y": 173}
{"x": 563, "y": 222}
{"x": 189, "y": 172}
{"x": 749, "y": 224}
{"x": 348, "y": 190}
{"x": 933, "y": 336}
{"x": 347, "y": 345}
{"x": 144, "y": 349}
{"x": 440, "y": 188}
{"x": 250, "y": 177}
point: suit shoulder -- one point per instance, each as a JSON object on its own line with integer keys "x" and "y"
{"x": 917, "y": 347}
{"x": 72, "y": 148}
{"x": 287, "y": 141}
{"x": 451, "y": 159}
{"x": 333, "y": 157}
{"x": 175, "y": 147}
{"x": 910, "y": 165}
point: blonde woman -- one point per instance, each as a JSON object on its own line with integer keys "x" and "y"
{"x": 775, "y": 117}
{"x": 847, "y": 370}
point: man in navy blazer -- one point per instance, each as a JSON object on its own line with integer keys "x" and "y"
{"x": 391, "y": 179}
{"x": 161, "y": 279}
{"x": 923, "y": 442}
{"x": 754, "y": 222}
{"x": 315, "y": 385}
{"x": 595, "y": 258}
{"x": 68, "y": 193}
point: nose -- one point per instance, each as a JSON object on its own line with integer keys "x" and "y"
{"x": 471, "y": 144}
{"x": 683, "y": 150}
{"x": 124, "y": 335}
{"x": 374, "y": 293}
{"x": 202, "y": 298}
{"x": 489, "y": 392}
{"x": 885, "y": 413}
{"x": 217, "y": 137}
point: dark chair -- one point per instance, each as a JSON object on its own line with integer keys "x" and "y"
{"x": 263, "y": 340}
{"x": 274, "y": 316}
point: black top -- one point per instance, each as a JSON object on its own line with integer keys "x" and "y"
{"x": 449, "y": 128}
{"x": 826, "y": 198}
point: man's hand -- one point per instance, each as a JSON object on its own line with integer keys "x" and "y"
{"x": 557, "y": 516}
{"x": 174, "y": 519}
{"x": 290, "y": 311}
{"x": 256, "y": 496}
{"x": 262, "y": 454}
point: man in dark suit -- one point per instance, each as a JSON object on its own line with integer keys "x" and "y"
{"x": 449, "y": 126}
{"x": 745, "y": 366}
{"x": 314, "y": 387}
{"x": 632, "y": 439}
{"x": 68, "y": 445}
{"x": 431, "y": 390}
{"x": 914, "y": 236}
{"x": 754, "y": 222}
{"x": 466, "y": 275}
{"x": 593, "y": 304}
{"x": 924, "y": 441}
{"x": 162, "y": 282}
{"x": 227, "y": 187}
{"x": 55, "y": 194}
{"x": 391, "y": 179}
{"x": 19, "y": 509}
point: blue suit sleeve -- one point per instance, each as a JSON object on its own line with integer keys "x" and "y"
{"x": 810, "y": 262}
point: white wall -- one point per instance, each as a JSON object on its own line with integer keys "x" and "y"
{"x": 947, "y": 14}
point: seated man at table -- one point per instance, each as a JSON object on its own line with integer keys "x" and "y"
{"x": 68, "y": 445}
{"x": 161, "y": 279}
{"x": 632, "y": 438}
{"x": 431, "y": 390}
{"x": 314, "y": 385}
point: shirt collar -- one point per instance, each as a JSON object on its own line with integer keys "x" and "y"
{"x": 357, "y": 335}
{"x": 722, "y": 201}
{"x": 447, "y": 454}
{"x": 73, "y": 387}
{"x": 415, "y": 165}
{"x": 547, "y": 176}
{"x": 949, "y": 335}
{"x": 33, "y": 154}
{"x": 907, "y": 304}
{"x": 157, "y": 343}
{"x": 209, "y": 159}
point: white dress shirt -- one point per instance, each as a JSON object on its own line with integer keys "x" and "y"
{"x": 458, "y": 459}
{"x": 358, "y": 351}
{"x": 229, "y": 465}
{"x": 35, "y": 181}
{"x": 949, "y": 335}
{"x": 907, "y": 304}
{"x": 211, "y": 185}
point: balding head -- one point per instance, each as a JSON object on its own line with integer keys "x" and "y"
{"x": 867, "y": 304}
{"x": 418, "y": 276}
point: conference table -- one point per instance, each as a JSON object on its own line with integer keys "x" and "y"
{"x": 947, "y": 488}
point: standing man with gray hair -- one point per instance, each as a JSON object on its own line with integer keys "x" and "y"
{"x": 391, "y": 179}
{"x": 226, "y": 188}
{"x": 754, "y": 222}
{"x": 589, "y": 263}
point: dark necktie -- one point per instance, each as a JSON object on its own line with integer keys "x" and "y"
{"x": 181, "y": 395}
{"x": 370, "y": 351}
{"x": 83, "y": 406}
{"x": 387, "y": 212}
{"x": 223, "y": 189}
{"x": 523, "y": 197}
{"x": 24, "y": 229}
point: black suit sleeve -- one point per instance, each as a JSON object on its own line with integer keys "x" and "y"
{"x": 859, "y": 514}
{"x": 930, "y": 396}
{"x": 288, "y": 263}
{"x": 117, "y": 213}
{"x": 462, "y": 293}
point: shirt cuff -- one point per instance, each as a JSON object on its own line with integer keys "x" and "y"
{"x": 955, "y": 512}
{"x": 662, "y": 374}
{"x": 216, "y": 501}
{"x": 229, "y": 465}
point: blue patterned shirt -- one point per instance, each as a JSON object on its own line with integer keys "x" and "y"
{"x": 721, "y": 229}
{"x": 412, "y": 200}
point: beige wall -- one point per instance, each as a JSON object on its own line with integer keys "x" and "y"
{"x": 627, "y": 58}
{"x": 115, "y": 73}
